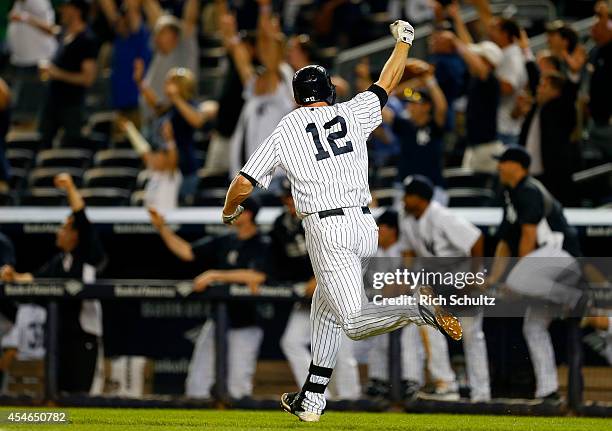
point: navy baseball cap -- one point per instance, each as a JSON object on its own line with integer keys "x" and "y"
{"x": 251, "y": 204}
{"x": 419, "y": 185}
{"x": 388, "y": 218}
{"x": 515, "y": 153}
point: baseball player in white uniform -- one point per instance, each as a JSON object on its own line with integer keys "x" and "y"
{"x": 431, "y": 230}
{"x": 322, "y": 148}
{"x": 291, "y": 264}
{"x": 27, "y": 336}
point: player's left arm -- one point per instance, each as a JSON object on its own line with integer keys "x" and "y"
{"x": 257, "y": 172}
{"x": 394, "y": 67}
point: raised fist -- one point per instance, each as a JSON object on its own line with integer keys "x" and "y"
{"x": 402, "y": 31}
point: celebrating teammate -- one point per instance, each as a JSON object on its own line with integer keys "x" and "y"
{"x": 430, "y": 230}
{"x": 322, "y": 148}
{"x": 535, "y": 229}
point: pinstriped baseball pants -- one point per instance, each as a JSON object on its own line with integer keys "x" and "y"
{"x": 339, "y": 248}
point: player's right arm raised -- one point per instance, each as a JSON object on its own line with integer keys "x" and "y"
{"x": 394, "y": 67}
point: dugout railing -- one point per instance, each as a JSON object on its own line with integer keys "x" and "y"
{"x": 34, "y": 227}
{"x": 52, "y": 291}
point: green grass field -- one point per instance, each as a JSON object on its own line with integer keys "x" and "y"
{"x": 222, "y": 420}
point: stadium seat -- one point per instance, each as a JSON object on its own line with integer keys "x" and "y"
{"x": 137, "y": 198}
{"x": 105, "y": 197}
{"x": 121, "y": 144}
{"x": 210, "y": 197}
{"x": 26, "y": 140}
{"x": 19, "y": 157}
{"x": 43, "y": 196}
{"x": 117, "y": 157}
{"x": 101, "y": 122}
{"x": 43, "y": 177}
{"x": 462, "y": 178}
{"x": 121, "y": 178}
{"x": 72, "y": 157}
{"x": 470, "y": 197}
{"x": 92, "y": 141}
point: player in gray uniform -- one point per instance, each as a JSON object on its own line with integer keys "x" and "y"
{"x": 535, "y": 230}
{"x": 322, "y": 148}
{"x": 430, "y": 230}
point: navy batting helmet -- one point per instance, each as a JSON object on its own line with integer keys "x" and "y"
{"x": 312, "y": 84}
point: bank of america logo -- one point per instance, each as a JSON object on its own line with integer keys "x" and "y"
{"x": 73, "y": 287}
{"x": 184, "y": 288}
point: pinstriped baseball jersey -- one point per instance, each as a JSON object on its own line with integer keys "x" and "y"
{"x": 323, "y": 151}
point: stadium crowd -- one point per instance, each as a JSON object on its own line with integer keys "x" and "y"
{"x": 195, "y": 86}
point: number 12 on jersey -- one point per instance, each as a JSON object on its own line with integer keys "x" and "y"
{"x": 322, "y": 153}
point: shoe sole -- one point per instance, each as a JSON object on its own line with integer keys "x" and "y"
{"x": 305, "y": 417}
{"x": 284, "y": 405}
{"x": 446, "y": 321}
{"x": 439, "y": 397}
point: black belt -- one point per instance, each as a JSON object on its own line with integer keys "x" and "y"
{"x": 339, "y": 212}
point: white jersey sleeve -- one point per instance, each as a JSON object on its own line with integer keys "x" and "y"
{"x": 459, "y": 232}
{"x": 260, "y": 166}
{"x": 367, "y": 108}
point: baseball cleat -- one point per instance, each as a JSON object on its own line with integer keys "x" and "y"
{"x": 291, "y": 403}
{"x": 440, "y": 393}
{"x": 438, "y": 317}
